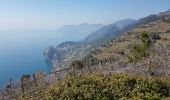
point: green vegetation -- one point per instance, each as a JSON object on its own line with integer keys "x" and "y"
{"x": 25, "y": 77}
{"x": 140, "y": 50}
{"x": 77, "y": 64}
{"x": 109, "y": 87}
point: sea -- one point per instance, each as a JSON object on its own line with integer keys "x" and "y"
{"x": 21, "y": 52}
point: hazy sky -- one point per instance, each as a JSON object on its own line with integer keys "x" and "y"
{"x": 50, "y": 14}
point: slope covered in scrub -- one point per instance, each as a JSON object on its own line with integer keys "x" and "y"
{"x": 110, "y": 87}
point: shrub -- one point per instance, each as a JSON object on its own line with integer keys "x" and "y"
{"x": 140, "y": 50}
{"x": 25, "y": 77}
{"x": 77, "y": 64}
{"x": 109, "y": 87}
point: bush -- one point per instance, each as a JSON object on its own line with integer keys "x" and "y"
{"x": 140, "y": 50}
{"x": 109, "y": 87}
{"x": 77, "y": 64}
{"x": 25, "y": 77}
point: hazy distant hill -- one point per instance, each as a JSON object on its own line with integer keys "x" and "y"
{"x": 123, "y": 23}
{"x": 108, "y": 31}
{"x": 102, "y": 33}
{"x": 78, "y": 32}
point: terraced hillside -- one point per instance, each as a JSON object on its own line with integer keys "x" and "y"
{"x": 114, "y": 55}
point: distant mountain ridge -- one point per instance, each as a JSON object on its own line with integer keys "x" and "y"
{"x": 82, "y": 25}
{"x": 99, "y": 34}
{"x": 108, "y": 31}
{"x": 77, "y": 32}
{"x": 123, "y": 23}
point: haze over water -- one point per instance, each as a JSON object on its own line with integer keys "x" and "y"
{"x": 22, "y": 53}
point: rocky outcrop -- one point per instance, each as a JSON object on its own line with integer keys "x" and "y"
{"x": 52, "y": 54}
{"x": 49, "y": 53}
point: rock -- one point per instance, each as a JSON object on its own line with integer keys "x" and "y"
{"x": 49, "y": 53}
{"x": 154, "y": 36}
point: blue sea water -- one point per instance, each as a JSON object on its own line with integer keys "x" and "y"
{"x": 22, "y": 53}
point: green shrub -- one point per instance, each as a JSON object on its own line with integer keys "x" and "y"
{"x": 109, "y": 87}
{"x": 77, "y": 64}
{"x": 140, "y": 50}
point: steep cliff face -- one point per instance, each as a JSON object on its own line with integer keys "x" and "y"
{"x": 52, "y": 54}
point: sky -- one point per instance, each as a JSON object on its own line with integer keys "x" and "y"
{"x": 51, "y": 14}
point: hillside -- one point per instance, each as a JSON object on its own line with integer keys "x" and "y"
{"x": 82, "y": 48}
{"x": 77, "y": 32}
{"x": 99, "y": 38}
{"x": 107, "y": 32}
{"x": 97, "y": 86}
{"x": 119, "y": 49}
{"x": 123, "y": 23}
{"x": 115, "y": 55}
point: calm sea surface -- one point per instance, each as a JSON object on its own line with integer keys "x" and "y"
{"x": 22, "y": 53}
